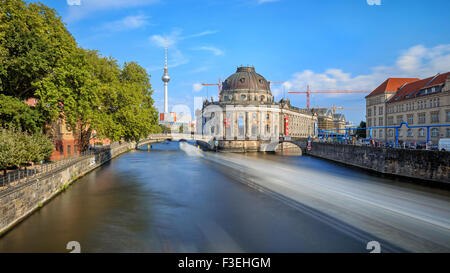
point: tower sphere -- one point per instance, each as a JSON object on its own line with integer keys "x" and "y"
{"x": 165, "y": 78}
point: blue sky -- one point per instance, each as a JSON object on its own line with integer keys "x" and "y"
{"x": 328, "y": 44}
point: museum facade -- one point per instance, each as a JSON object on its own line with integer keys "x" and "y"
{"x": 246, "y": 117}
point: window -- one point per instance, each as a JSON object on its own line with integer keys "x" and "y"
{"x": 431, "y": 103}
{"x": 241, "y": 128}
{"x": 380, "y": 121}
{"x": 448, "y": 132}
{"x": 242, "y": 80}
{"x": 421, "y": 118}
{"x": 400, "y": 132}
{"x": 435, "y": 117}
{"x": 254, "y": 124}
{"x": 375, "y": 133}
{"x": 421, "y": 132}
{"x": 228, "y": 126}
{"x": 262, "y": 98}
{"x": 68, "y": 150}
{"x": 243, "y": 96}
{"x": 399, "y": 119}
{"x": 410, "y": 119}
{"x": 390, "y": 121}
{"x": 410, "y": 133}
{"x": 369, "y": 112}
{"x": 369, "y": 122}
{"x": 268, "y": 128}
{"x": 447, "y": 115}
{"x": 61, "y": 149}
{"x": 380, "y": 110}
{"x": 435, "y": 132}
{"x": 390, "y": 132}
{"x": 381, "y": 133}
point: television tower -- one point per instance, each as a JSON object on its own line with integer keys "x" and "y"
{"x": 165, "y": 79}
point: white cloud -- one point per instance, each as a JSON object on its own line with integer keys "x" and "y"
{"x": 87, "y": 7}
{"x": 128, "y": 23}
{"x": 203, "y": 33}
{"x": 197, "y": 87}
{"x": 176, "y": 57}
{"x": 214, "y": 50}
{"x": 417, "y": 61}
{"x": 73, "y": 2}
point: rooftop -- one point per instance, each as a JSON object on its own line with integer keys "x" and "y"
{"x": 391, "y": 85}
{"x": 411, "y": 90}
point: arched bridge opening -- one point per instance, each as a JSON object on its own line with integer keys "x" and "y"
{"x": 288, "y": 148}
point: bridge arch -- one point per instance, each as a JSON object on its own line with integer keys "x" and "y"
{"x": 288, "y": 148}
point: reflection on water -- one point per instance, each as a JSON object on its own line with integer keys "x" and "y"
{"x": 169, "y": 200}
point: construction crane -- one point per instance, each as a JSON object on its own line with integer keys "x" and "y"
{"x": 309, "y": 92}
{"x": 218, "y": 85}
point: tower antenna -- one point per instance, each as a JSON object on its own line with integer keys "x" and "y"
{"x": 165, "y": 79}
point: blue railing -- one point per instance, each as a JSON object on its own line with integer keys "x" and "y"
{"x": 337, "y": 132}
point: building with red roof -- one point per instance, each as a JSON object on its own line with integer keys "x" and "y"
{"x": 416, "y": 102}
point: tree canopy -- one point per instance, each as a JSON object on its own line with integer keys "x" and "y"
{"x": 361, "y": 132}
{"x": 18, "y": 148}
{"x": 15, "y": 113}
{"x": 94, "y": 94}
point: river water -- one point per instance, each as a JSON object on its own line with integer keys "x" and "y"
{"x": 176, "y": 198}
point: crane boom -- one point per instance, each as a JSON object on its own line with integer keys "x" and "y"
{"x": 309, "y": 92}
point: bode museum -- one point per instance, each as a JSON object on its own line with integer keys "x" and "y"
{"x": 246, "y": 117}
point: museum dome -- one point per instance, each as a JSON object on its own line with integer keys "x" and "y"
{"x": 246, "y": 85}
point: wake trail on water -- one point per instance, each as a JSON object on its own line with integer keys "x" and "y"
{"x": 412, "y": 220}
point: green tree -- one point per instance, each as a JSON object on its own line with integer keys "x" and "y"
{"x": 33, "y": 41}
{"x": 18, "y": 148}
{"x": 44, "y": 146}
{"x": 39, "y": 57}
{"x": 135, "y": 111}
{"x": 15, "y": 113}
{"x": 361, "y": 132}
{"x": 10, "y": 149}
{"x": 164, "y": 129}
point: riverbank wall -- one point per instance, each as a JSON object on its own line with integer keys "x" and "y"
{"x": 418, "y": 164}
{"x": 21, "y": 201}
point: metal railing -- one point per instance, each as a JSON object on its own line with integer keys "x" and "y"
{"x": 20, "y": 177}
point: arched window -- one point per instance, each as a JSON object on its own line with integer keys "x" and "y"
{"x": 243, "y": 96}
{"x": 410, "y": 133}
{"x": 435, "y": 132}
{"x": 421, "y": 132}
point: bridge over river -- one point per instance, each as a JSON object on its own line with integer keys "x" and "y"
{"x": 178, "y": 198}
